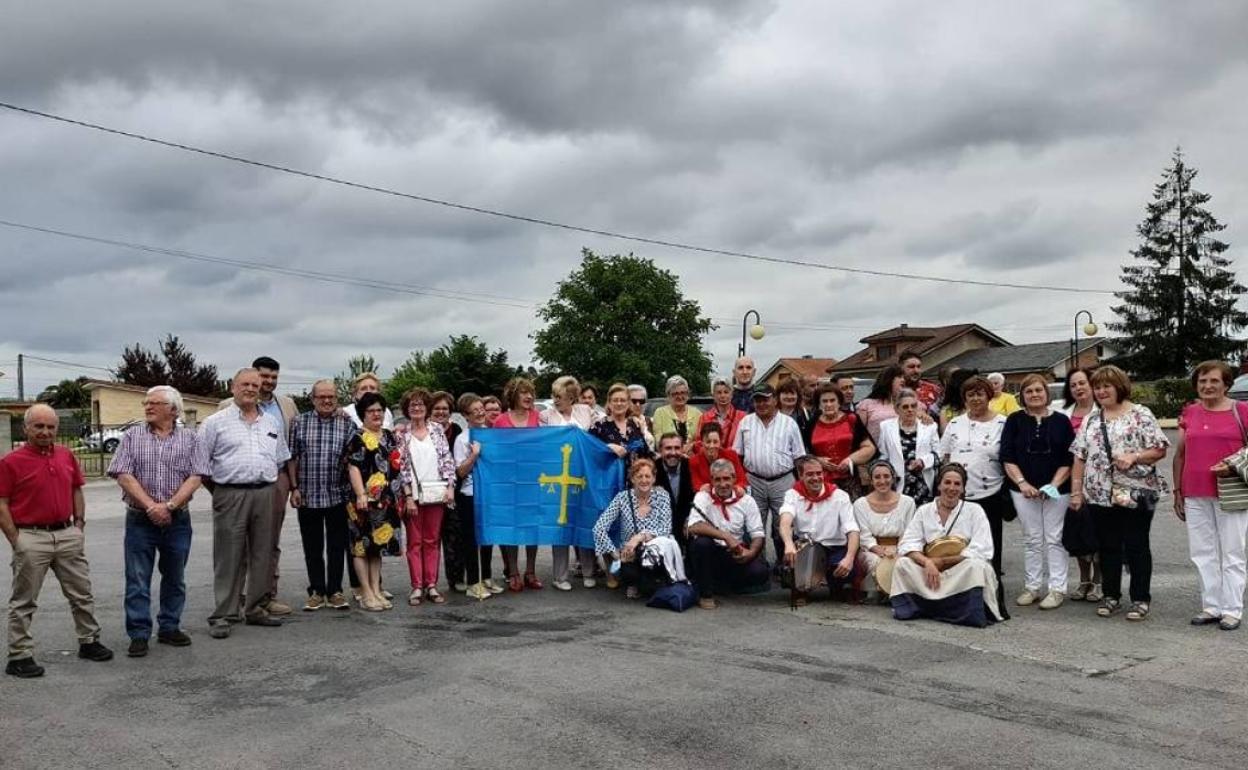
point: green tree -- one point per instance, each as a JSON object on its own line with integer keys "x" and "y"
{"x": 173, "y": 365}
{"x": 622, "y": 318}
{"x": 1181, "y": 306}
{"x": 412, "y": 373}
{"x": 356, "y": 365}
{"x": 67, "y": 394}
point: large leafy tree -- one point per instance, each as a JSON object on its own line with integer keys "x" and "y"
{"x": 462, "y": 365}
{"x": 1182, "y": 301}
{"x": 67, "y": 394}
{"x": 622, "y": 318}
{"x": 172, "y": 364}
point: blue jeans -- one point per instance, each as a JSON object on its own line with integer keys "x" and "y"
{"x": 143, "y": 541}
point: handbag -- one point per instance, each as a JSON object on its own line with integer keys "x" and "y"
{"x": 431, "y": 493}
{"x": 1121, "y": 495}
{"x": 1079, "y": 532}
{"x": 676, "y": 597}
{"x": 1233, "y": 490}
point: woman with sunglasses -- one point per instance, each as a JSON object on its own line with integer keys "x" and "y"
{"x": 1035, "y": 451}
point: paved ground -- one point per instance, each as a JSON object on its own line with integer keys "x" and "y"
{"x": 588, "y": 679}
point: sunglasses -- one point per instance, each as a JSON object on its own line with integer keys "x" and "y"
{"x": 638, "y": 400}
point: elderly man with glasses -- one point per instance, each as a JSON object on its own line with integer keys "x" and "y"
{"x": 155, "y": 468}
{"x": 319, "y": 491}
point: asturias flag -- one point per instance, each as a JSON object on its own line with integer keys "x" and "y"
{"x": 542, "y": 486}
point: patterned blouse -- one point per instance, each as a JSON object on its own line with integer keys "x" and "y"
{"x": 1133, "y": 431}
{"x": 976, "y": 444}
{"x": 623, "y": 508}
{"x": 634, "y": 439}
{"x": 446, "y": 461}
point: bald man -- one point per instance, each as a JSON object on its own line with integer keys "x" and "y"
{"x": 743, "y": 384}
{"x": 42, "y": 514}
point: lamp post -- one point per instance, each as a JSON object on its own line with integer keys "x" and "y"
{"x": 756, "y": 331}
{"x": 1089, "y": 330}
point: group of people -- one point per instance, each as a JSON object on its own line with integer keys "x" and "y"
{"x": 905, "y": 491}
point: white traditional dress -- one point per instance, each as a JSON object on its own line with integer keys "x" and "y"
{"x": 876, "y": 529}
{"x": 968, "y": 590}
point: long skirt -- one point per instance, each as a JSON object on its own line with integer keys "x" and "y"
{"x": 967, "y": 595}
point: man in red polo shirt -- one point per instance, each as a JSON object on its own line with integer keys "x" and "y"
{"x": 41, "y": 514}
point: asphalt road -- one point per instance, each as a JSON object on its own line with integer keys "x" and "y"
{"x": 589, "y": 679}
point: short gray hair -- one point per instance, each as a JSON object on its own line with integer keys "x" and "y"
{"x": 905, "y": 393}
{"x": 673, "y": 382}
{"x": 171, "y": 394}
{"x": 638, "y": 389}
{"x": 721, "y": 465}
{"x": 996, "y": 377}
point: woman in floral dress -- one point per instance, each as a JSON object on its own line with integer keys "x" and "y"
{"x": 373, "y": 460}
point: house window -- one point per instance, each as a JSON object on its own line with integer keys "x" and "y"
{"x": 885, "y": 351}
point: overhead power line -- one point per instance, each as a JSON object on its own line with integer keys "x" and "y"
{"x": 338, "y": 278}
{"x": 546, "y": 222}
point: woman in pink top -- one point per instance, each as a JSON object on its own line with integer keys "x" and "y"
{"x": 878, "y": 405}
{"x": 518, "y": 396}
{"x": 1210, "y": 430}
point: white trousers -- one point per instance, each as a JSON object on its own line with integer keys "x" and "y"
{"x": 1215, "y": 540}
{"x": 1043, "y": 520}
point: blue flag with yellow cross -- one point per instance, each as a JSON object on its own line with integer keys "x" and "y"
{"x": 542, "y": 486}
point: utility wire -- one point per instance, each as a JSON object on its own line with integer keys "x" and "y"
{"x": 256, "y": 266}
{"x": 338, "y": 278}
{"x": 546, "y": 222}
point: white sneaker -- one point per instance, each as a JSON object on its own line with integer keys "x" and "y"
{"x": 460, "y": 588}
{"x": 1026, "y": 598}
{"x": 478, "y": 591}
{"x": 494, "y": 586}
{"x": 1053, "y": 600}
{"x": 589, "y": 582}
{"x": 562, "y": 585}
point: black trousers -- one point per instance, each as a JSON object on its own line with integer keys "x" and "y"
{"x": 452, "y": 548}
{"x": 469, "y": 551}
{"x": 712, "y": 567}
{"x": 1124, "y": 530}
{"x": 996, "y": 508}
{"x": 324, "y": 535}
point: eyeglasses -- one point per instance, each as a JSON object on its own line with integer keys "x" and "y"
{"x": 638, "y": 400}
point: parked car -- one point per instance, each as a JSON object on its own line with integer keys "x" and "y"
{"x": 1239, "y": 388}
{"x": 107, "y": 439}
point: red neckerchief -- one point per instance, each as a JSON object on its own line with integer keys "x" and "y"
{"x": 723, "y": 504}
{"x": 824, "y": 494}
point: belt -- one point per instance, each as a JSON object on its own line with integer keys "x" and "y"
{"x": 141, "y": 512}
{"x": 48, "y": 527}
{"x": 887, "y": 540}
{"x": 255, "y": 485}
{"x": 770, "y": 478}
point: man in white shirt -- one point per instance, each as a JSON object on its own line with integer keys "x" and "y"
{"x": 768, "y": 443}
{"x": 820, "y": 518}
{"x": 725, "y": 539}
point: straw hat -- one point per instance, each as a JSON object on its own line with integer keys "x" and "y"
{"x": 949, "y": 545}
{"x": 884, "y": 575}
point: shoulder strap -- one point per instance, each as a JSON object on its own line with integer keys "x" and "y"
{"x": 1239, "y": 420}
{"x": 1109, "y": 450}
{"x": 954, "y": 520}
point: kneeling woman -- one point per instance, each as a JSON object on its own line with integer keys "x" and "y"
{"x": 947, "y": 572}
{"x": 644, "y": 513}
{"x": 819, "y": 531}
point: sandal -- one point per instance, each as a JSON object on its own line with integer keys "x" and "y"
{"x": 1095, "y": 594}
{"x": 531, "y": 582}
{"x": 515, "y": 584}
{"x": 1108, "y": 607}
{"x": 632, "y": 593}
{"x": 1138, "y": 611}
{"x": 413, "y": 599}
{"x": 369, "y": 606}
{"x": 1081, "y": 593}
{"x": 432, "y": 595}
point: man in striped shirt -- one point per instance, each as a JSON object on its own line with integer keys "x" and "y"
{"x": 768, "y": 443}
{"x": 155, "y": 467}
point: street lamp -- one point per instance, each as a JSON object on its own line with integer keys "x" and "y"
{"x": 1089, "y": 330}
{"x": 756, "y": 331}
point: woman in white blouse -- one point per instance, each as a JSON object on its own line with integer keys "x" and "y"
{"x": 973, "y": 440}
{"x": 959, "y": 588}
{"x": 910, "y": 446}
{"x": 882, "y": 518}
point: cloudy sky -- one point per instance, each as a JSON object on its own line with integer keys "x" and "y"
{"x": 1013, "y": 142}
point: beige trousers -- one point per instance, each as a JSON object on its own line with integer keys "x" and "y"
{"x": 37, "y": 551}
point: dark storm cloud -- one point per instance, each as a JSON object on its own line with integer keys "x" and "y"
{"x": 1004, "y": 141}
